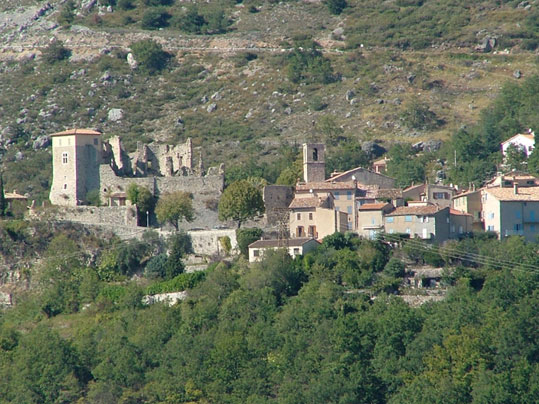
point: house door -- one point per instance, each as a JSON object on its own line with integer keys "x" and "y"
{"x": 424, "y": 233}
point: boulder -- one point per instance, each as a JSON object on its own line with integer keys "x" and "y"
{"x": 372, "y": 149}
{"x": 212, "y": 107}
{"x": 350, "y": 94}
{"x": 131, "y": 61}
{"x": 115, "y": 114}
{"x": 517, "y": 74}
{"x": 432, "y": 145}
{"x": 41, "y": 142}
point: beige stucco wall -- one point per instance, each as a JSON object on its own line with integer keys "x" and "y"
{"x": 491, "y": 213}
{"x": 292, "y": 251}
{"x": 326, "y": 221}
{"x": 434, "y": 227}
{"x": 369, "y": 222}
{"x": 71, "y": 181}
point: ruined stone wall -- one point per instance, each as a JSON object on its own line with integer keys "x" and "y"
{"x": 207, "y": 242}
{"x": 277, "y": 198}
{"x": 111, "y": 215}
{"x": 163, "y": 159}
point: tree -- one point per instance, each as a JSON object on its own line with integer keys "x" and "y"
{"x": 533, "y": 162}
{"x": 55, "y": 52}
{"x": 143, "y": 198}
{"x": 3, "y": 202}
{"x": 175, "y": 207}
{"x": 246, "y": 236}
{"x": 155, "y": 19}
{"x": 515, "y": 158}
{"x": 240, "y": 201}
{"x": 150, "y": 56}
{"x": 67, "y": 15}
{"x": 336, "y": 6}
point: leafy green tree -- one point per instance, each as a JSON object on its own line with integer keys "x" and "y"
{"x": 336, "y": 6}
{"x": 179, "y": 245}
{"x": 515, "y": 158}
{"x": 246, "y": 236}
{"x": 307, "y": 64}
{"x": 143, "y": 198}
{"x": 150, "y": 56}
{"x": 155, "y": 268}
{"x": 191, "y": 21}
{"x": 404, "y": 166}
{"x": 240, "y": 201}
{"x": 155, "y": 18}
{"x": 175, "y": 207}
{"x": 533, "y": 162}
{"x": 394, "y": 268}
{"x": 46, "y": 369}
{"x": 156, "y": 3}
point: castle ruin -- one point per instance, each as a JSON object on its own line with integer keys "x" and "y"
{"x": 84, "y": 163}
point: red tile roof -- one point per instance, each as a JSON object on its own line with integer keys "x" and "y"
{"x": 311, "y": 202}
{"x": 528, "y": 194}
{"x": 373, "y": 206}
{"x": 321, "y": 186}
{"x": 77, "y": 132}
{"x": 415, "y": 210}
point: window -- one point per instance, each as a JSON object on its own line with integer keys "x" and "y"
{"x": 518, "y": 214}
{"x": 389, "y": 219}
{"x": 491, "y": 215}
{"x": 256, "y": 253}
{"x": 310, "y": 216}
{"x": 391, "y": 231}
{"x": 95, "y": 141}
{"x": 298, "y": 216}
{"x": 312, "y": 231}
{"x": 407, "y": 218}
{"x": 532, "y": 216}
{"x": 315, "y": 154}
{"x": 296, "y": 251}
{"x": 532, "y": 228}
{"x": 461, "y": 230}
{"x": 300, "y": 232}
{"x": 349, "y": 195}
{"x": 518, "y": 227}
{"x": 490, "y": 228}
{"x": 408, "y": 231}
{"x": 349, "y": 226}
{"x": 452, "y": 228}
{"x": 65, "y": 186}
{"x": 440, "y": 195}
{"x": 64, "y": 158}
{"x": 337, "y": 195}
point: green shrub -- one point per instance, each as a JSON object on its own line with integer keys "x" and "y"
{"x": 126, "y": 4}
{"x": 155, "y": 268}
{"x": 155, "y": 3}
{"x": 179, "y": 283}
{"x": 336, "y": 6}
{"x": 245, "y": 237}
{"x": 394, "y": 268}
{"x": 55, "y": 52}
{"x": 150, "y": 56}
{"x": 155, "y": 19}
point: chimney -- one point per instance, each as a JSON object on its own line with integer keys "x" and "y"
{"x": 515, "y": 188}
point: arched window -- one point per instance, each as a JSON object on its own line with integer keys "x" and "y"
{"x": 315, "y": 154}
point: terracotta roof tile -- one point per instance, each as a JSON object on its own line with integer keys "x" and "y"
{"x": 373, "y": 206}
{"x": 458, "y": 212}
{"x": 415, "y": 210}
{"x": 311, "y": 202}
{"x": 319, "y": 186}
{"x": 77, "y": 132}
{"x": 508, "y": 194}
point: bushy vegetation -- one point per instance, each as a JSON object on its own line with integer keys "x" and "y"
{"x": 282, "y": 330}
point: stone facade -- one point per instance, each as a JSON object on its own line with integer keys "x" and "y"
{"x": 277, "y": 198}
{"x": 314, "y": 166}
{"x": 83, "y": 162}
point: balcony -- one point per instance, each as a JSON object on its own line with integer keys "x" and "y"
{"x": 508, "y": 233}
{"x": 372, "y": 226}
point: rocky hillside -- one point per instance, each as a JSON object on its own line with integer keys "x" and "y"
{"x": 243, "y": 79}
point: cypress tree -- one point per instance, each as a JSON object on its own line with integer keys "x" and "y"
{"x": 3, "y": 202}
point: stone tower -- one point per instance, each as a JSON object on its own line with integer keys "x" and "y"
{"x": 76, "y": 156}
{"x": 314, "y": 166}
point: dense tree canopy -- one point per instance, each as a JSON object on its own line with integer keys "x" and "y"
{"x": 240, "y": 201}
{"x": 174, "y": 207}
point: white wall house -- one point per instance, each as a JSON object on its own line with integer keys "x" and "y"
{"x": 523, "y": 141}
{"x": 296, "y": 246}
